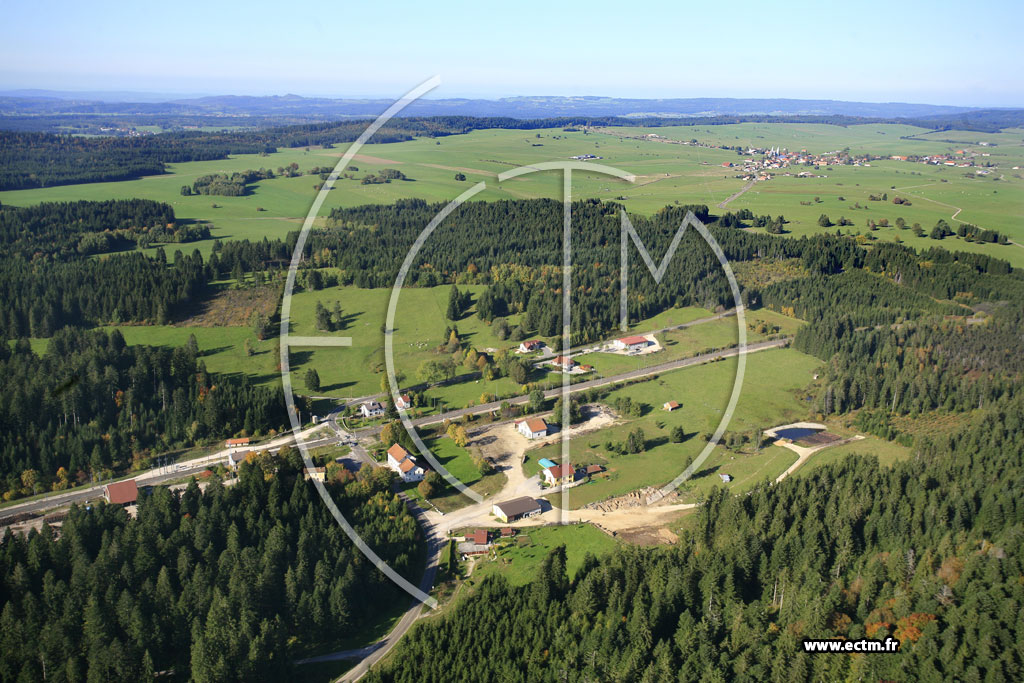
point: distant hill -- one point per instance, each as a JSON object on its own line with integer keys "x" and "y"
{"x": 28, "y": 102}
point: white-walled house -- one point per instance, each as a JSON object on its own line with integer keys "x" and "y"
{"x": 371, "y": 409}
{"x": 532, "y": 428}
{"x": 631, "y": 343}
{"x": 403, "y": 402}
{"x": 404, "y": 464}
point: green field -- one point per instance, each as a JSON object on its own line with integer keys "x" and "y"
{"x": 769, "y": 397}
{"x": 666, "y": 173}
{"x": 459, "y": 463}
{"x": 519, "y": 560}
{"x": 887, "y": 453}
{"x": 691, "y": 341}
{"x": 419, "y": 329}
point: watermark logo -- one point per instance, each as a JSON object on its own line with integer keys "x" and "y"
{"x": 565, "y": 390}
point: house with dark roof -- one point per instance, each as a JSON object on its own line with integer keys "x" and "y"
{"x": 235, "y": 458}
{"x": 517, "y": 508}
{"x": 371, "y": 409}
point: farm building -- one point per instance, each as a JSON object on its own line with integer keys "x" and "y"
{"x": 531, "y": 345}
{"x": 560, "y": 474}
{"x": 670, "y": 406}
{"x": 634, "y": 343}
{"x": 404, "y": 464}
{"x": 121, "y": 492}
{"x": 371, "y": 409}
{"x": 594, "y": 469}
{"x": 532, "y": 428}
{"x": 517, "y": 508}
{"x": 237, "y": 443}
{"x": 468, "y": 549}
{"x": 725, "y": 477}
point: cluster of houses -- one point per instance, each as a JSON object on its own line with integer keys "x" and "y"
{"x": 376, "y": 408}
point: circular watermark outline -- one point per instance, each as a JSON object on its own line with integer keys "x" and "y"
{"x": 567, "y": 168}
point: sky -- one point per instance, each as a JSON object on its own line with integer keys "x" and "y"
{"x": 872, "y": 51}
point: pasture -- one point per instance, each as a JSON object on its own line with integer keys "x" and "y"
{"x": 519, "y": 559}
{"x": 666, "y": 173}
{"x": 770, "y": 395}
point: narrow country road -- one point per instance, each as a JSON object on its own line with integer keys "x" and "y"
{"x": 736, "y": 195}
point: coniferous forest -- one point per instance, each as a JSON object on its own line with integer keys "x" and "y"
{"x": 92, "y": 405}
{"x": 927, "y": 551}
{"x": 229, "y": 584}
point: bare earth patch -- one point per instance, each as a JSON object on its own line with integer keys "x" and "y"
{"x": 234, "y": 307}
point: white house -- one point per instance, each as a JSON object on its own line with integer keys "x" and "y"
{"x": 235, "y": 459}
{"x": 403, "y": 402}
{"x": 533, "y": 428}
{"x": 371, "y": 409}
{"x": 631, "y": 343}
{"x": 531, "y": 345}
{"x": 404, "y": 464}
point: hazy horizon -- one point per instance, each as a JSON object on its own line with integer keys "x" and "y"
{"x": 125, "y": 95}
{"x": 877, "y": 51}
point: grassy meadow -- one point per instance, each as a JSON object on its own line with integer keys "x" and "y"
{"x": 770, "y": 397}
{"x": 666, "y": 173}
{"x": 520, "y": 559}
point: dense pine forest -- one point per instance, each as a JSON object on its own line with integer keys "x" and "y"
{"x": 226, "y": 585}
{"x": 91, "y": 405}
{"x": 927, "y": 551}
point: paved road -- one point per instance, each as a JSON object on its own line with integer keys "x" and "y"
{"x": 157, "y": 475}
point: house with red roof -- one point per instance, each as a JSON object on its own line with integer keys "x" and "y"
{"x": 560, "y": 474}
{"x": 122, "y": 492}
{"x": 404, "y": 464}
{"x": 634, "y": 343}
{"x": 532, "y": 428}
